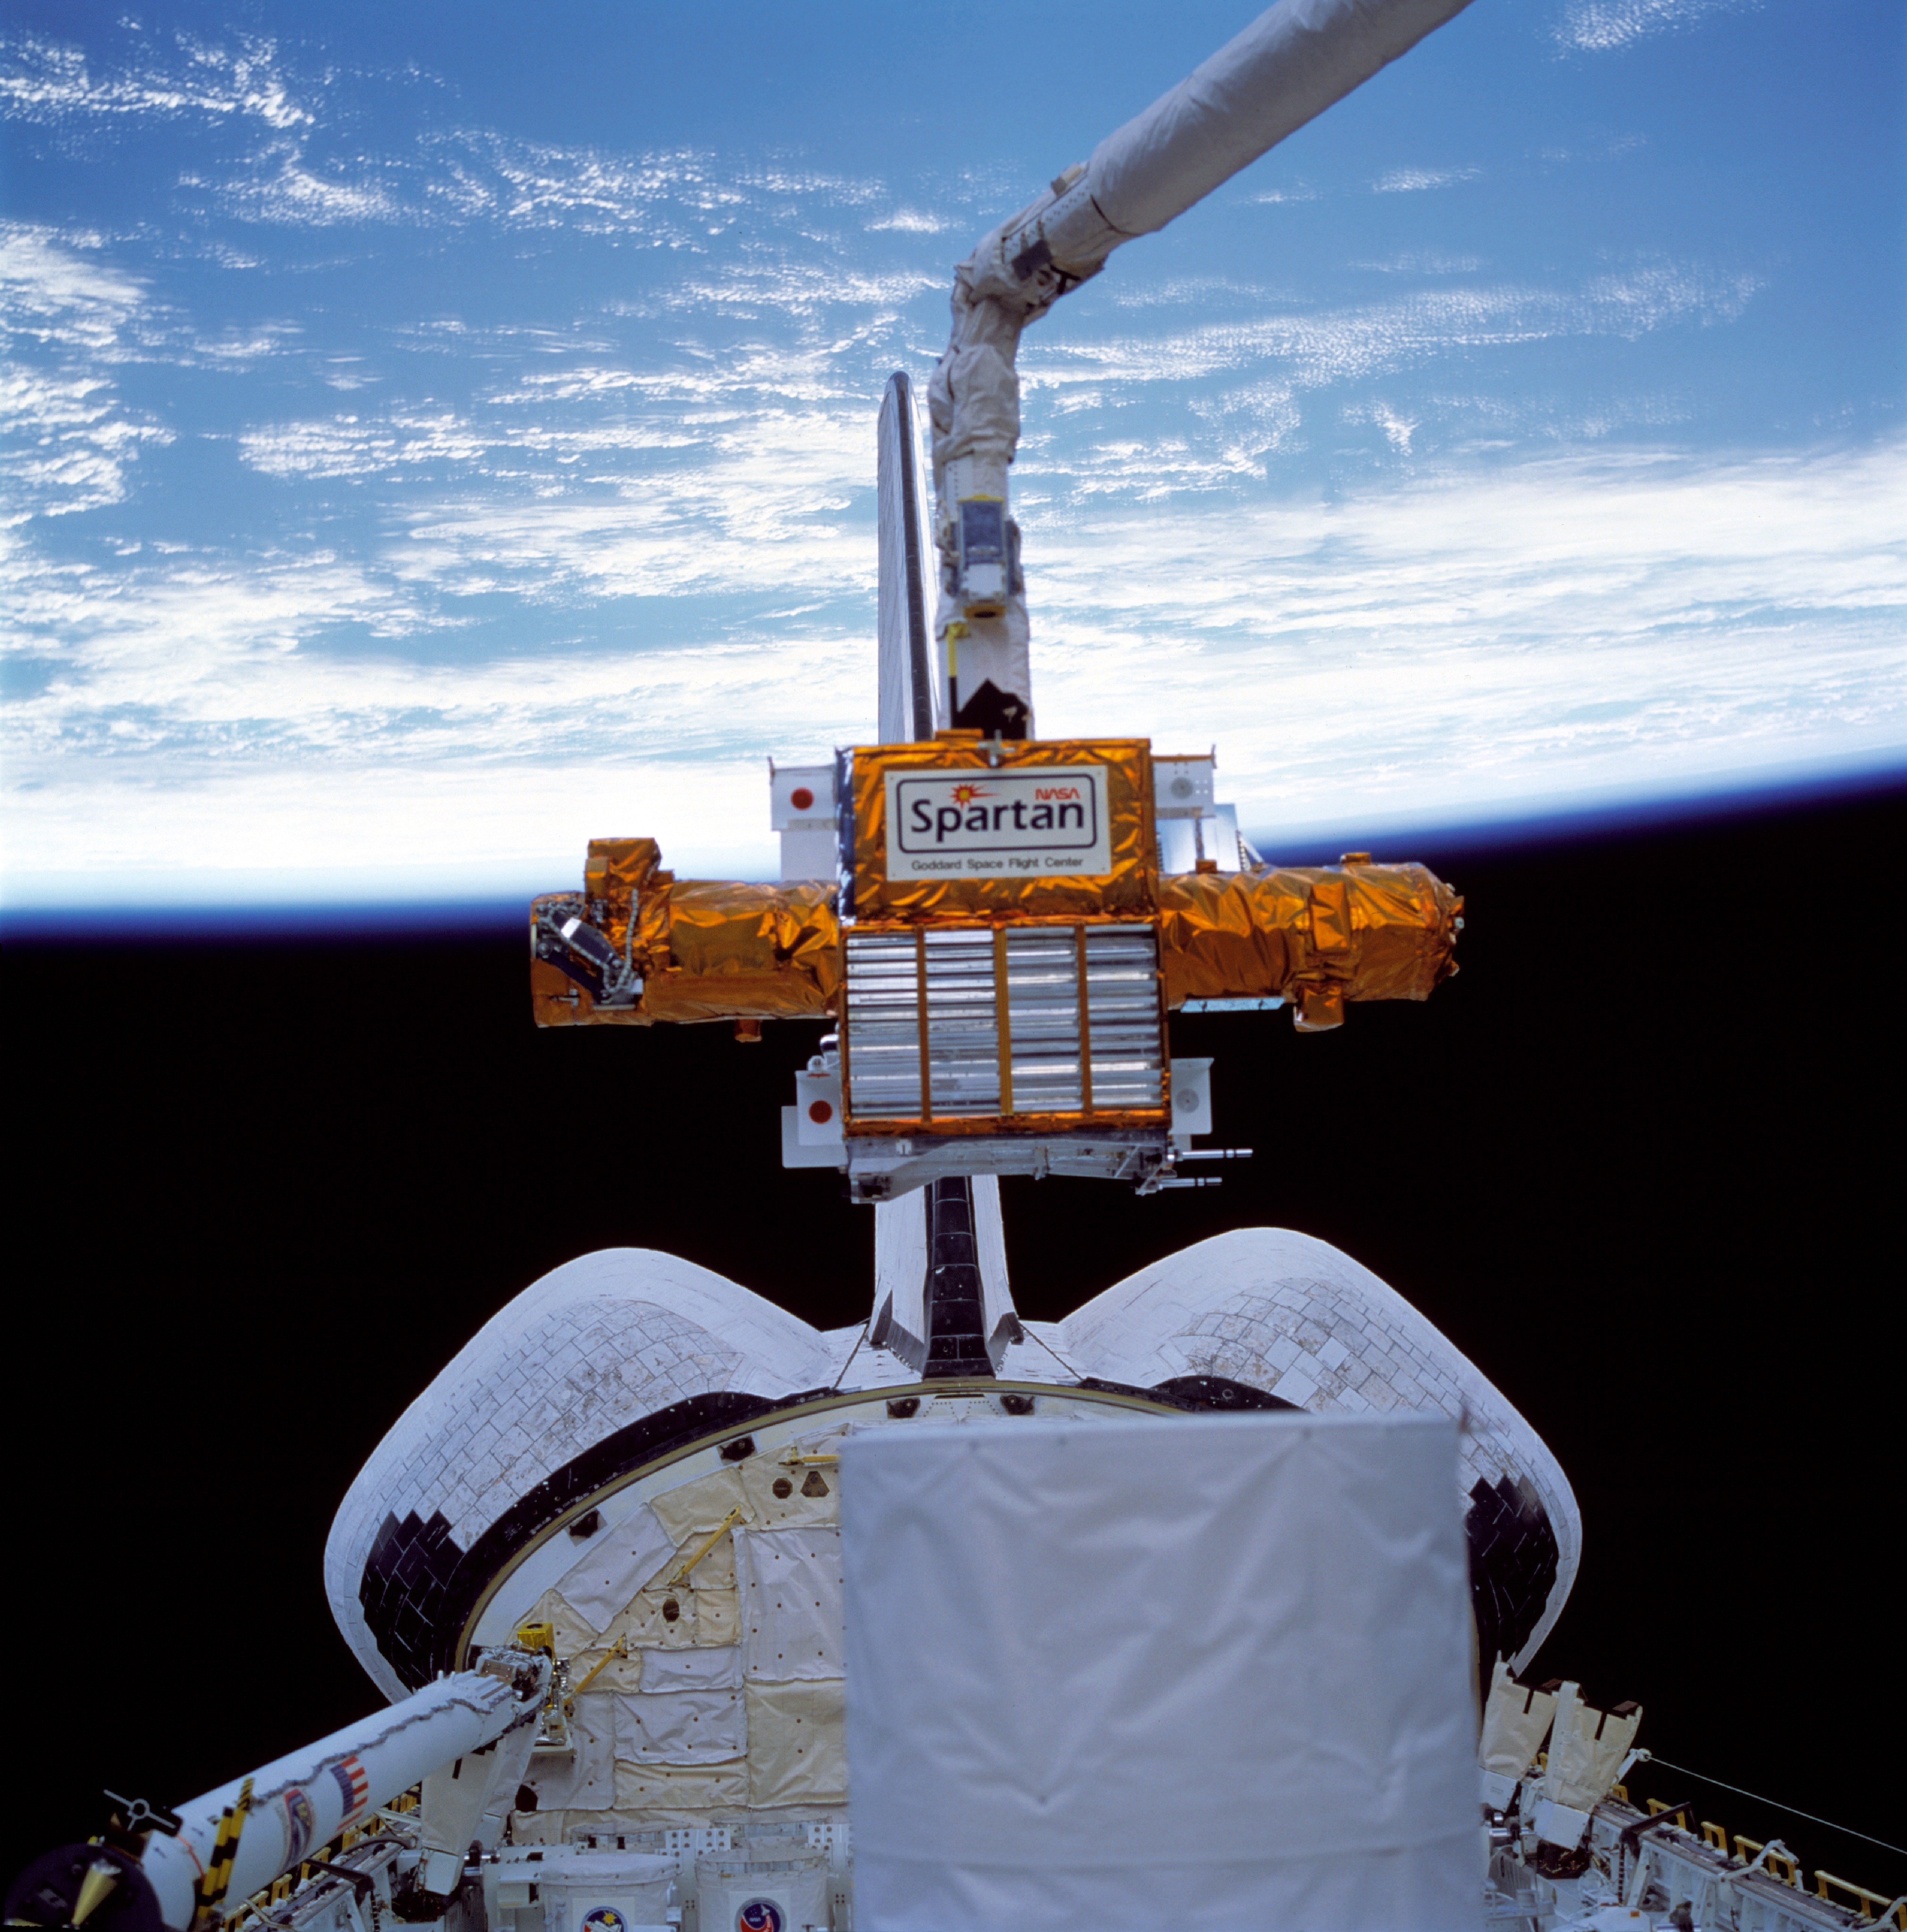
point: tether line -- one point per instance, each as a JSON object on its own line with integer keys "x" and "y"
{"x": 1793, "y": 1811}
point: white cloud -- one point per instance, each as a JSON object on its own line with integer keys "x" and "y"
{"x": 68, "y": 442}
{"x": 684, "y": 200}
{"x": 1455, "y": 647}
{"x": 68, "y": 438}
{"x": 1398, "y": 430}
{"x": 1423, "y": 262}
{"x": 1465, "y": 643}
{"x": 278, "y": 184}
{"x": 910, "y": 221}
{"x": 757, "y": 505}
{"x": 350, "y": 445}
{"x": 55, "y": 291}
{"x": 1602, "y": 26}
{"x": 44, "y": 82}
{"x": 307, "y": 173}
{"x": 673, "y": 197}
{"x": 1413, "y": 181}
{"x": 1267, "y": 361}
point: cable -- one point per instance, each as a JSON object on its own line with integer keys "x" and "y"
{"x": 852, "y": 1353}
{"x": 1792, "y": 1810}
{"x": 1026, "y": 1330}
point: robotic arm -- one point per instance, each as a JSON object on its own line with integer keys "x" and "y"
{"x": 1288, "y": 66}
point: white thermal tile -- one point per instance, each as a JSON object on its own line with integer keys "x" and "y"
{"x": 1295, "y": 1386}
{"x": 593, "y": 1346}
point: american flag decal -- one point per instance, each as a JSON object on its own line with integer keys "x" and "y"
{"x": 353, "y": 1784}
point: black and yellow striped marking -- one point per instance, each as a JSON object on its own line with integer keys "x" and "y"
{"x": 224, "y": 1852}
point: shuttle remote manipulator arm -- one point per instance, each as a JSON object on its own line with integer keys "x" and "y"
{"x": 1287, "y": 67}
{"x": 466, "y": 1739}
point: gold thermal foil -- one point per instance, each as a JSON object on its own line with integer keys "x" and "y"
{"x": 1124, "y": 890}
{"x": 1316, "y": 935}
{"x": 614, "y": 873}
{"x": 737, "y": 951}
{"x": 706, "y": 950}
{"x": 711, "y": 949}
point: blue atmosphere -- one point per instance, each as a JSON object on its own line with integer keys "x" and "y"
{"x": 440, "y": 434}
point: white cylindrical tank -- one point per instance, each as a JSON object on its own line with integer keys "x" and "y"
{"x": 577, "y": 1891}
{"x": 1212, "y": 1673}
{"x": 763, "y": 1885}
{"x": 302, "y": 1801}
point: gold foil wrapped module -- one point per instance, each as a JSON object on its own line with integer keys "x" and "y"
{"x": 1318, "y": 936}
{"x": 705, "y": 949}
{"x": 1124, "y": 891}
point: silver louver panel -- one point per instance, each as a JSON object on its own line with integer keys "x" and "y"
{"x": 1000, "y": 1010}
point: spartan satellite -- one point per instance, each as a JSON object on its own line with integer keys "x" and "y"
{"x": 597, "y": 1567}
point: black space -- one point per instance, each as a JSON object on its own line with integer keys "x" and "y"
{"x": 1640, "y": 1161}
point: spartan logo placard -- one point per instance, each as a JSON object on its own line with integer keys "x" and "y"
{"x": 977, "y": 823}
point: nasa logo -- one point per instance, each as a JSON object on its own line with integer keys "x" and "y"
{"x": 301, "y": 1825}
{"x": 760, "y": 1915}
{"x": 605, "y": 1918}
{"x": 1042, "y": 819}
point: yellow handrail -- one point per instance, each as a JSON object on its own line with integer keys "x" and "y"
{"x": 714, "y": 1536}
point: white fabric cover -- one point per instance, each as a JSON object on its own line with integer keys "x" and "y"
{"x": 1301, "y": 1319}
{"x": 694, "y": 1510}
{"x": 797, "y": 1744}
{"x": 573, "y": 1634}
{"x": 703, "y": 1617}
{"x": 666, "y": 1792}
{"x": 1211, "y": 1673}
{"x": 760, "y": 1475}
{"x": 617, "y": 1564}
{"x": 1582, "y": 1763}
{"x": 1515, "y": 1721}
{"x": 719, "y": 1669}
{"x": 681, "y": 1726}
{"x": 791, "y": 1586}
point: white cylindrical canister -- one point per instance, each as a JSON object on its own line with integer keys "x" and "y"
{"x": 1208, "y": 1672}
{"x": 596, "y": 1891}
{"x": 304, "y": 1800}
{"x": 770, "y": 1885}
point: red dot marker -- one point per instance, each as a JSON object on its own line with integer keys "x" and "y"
{"x": 820, "y": 1112}
{"x": 800, "y": 798}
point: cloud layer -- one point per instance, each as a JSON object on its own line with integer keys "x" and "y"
{"x": 314, "y": 569}
{"x": 1579, "y": 624}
